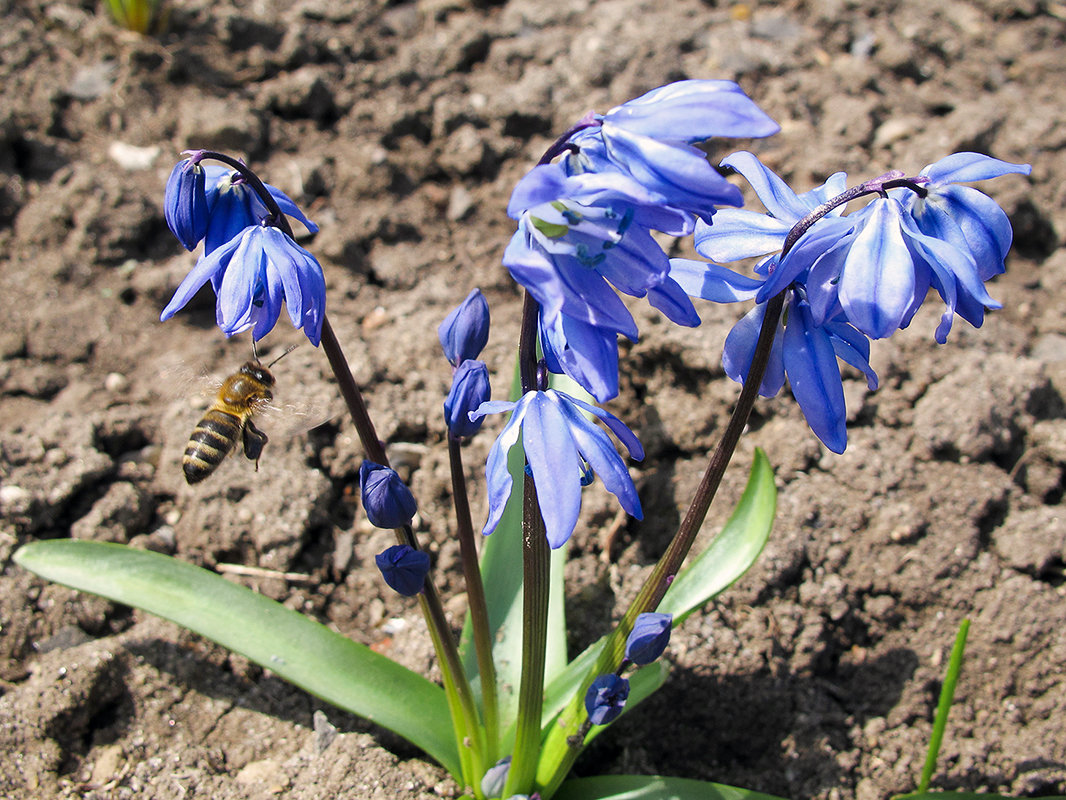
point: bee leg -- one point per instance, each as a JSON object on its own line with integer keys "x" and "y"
{"x": 254, "y": 442}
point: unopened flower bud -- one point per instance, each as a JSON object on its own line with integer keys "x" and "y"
{"x": 470, "y": 388}
{"x": 606, "y": 698}
{"x": 649, "y": 637}
{"x": 386, "y": 499}
{"x": 465, "y": 331}
{"x": 403, "y": 568}
{"x": 185, "y": 202}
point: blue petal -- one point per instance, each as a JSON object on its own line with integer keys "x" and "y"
{"x": 982, "y": 226}
{"x": 287, "y": 206}
{"x": 825, "y": 234}
{"x": 969, "y": 167}
{"x": 586, "y": 353}
{"x": 712, "y": 281}
{"x": 542, "y": 184}
{"x": 231, "y": 213}
{"x": 596, "y": 448}
{"x": 617, "y": 427}
{"x": 737, "y": 233}
{"x": 877, "y": 284}
{"x": 811, "y": 364}
{"x": 740, "y": 347}
{"x": 498, "y": 480}
{"x": 185, "y": 203}
{"x": 206, "y": 268}
{"x": 672, "y": 300}
{"x": 553, "y": 460}
{"x": 692, "y": 111}
{"x": 562, "y": 285}
{"x": 775, "y": 194}
{"x": 854, "y": 348}
{"x": 234, "y": 309}
{"x": 681, "y": 174}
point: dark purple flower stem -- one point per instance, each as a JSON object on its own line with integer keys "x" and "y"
{"x": 460, "y": 695}
{"x": 475, "y": 592}
{"x": 536, "y": 571}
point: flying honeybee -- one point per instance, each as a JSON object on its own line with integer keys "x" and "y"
{"x": 242, "y": 395}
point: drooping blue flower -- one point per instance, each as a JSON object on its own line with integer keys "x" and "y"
{"x": 465, "y": 331}
{"x": 606, "y": 698}
{"x": 185, "y": 206}
{"x": 213, "y": 204}
{"x": 651, "y": 139}
{"x": 560, "y": 444}
{"x": 252, "y": 274}
{"x": 470, "y": 388}
{"x": 649, "y": 637}
{"x": 963, "y": 216}
{"x": 387, "y": 501}
{"x": 803, "y": 350}
{"x": 874, "y": 266}
{"x": 403, "y": 568}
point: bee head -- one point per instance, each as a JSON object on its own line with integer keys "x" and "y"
{"x": 257, "y": 372}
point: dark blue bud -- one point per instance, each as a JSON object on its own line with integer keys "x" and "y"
{"x": 649, "y": 637}
{"x": 185, "y": 203}
{"x": 495, "y": 778}
{"x": 386, "y": 499}
{"x": 403, "y": 568}
{"x": 465, "y": 332}
{"x": 470, "y": 388}
{"x": 606, "y": 698}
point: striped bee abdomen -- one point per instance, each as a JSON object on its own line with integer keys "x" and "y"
{"x": 211, "y": 441}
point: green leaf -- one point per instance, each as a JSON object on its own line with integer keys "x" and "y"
{"x": 964, "y": 796}
{"x": 652, "y": 787}
{"x": 349, "y": 675}
{"x": 728, "y": 557}
{"x": 733, "y": 551}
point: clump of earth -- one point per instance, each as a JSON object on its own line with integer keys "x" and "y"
{"x": 401, "y": 127}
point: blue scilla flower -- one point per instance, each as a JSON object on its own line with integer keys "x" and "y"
{"x": 803, "y": 350}
{"x": 403, "y": 568}
{"x": 185, "y": 205}
{"x": 961, "y": 215}
{"x": 649, "y": 637}
{"x": 470, "y": 388}
{"x": 465, "y": 331}
{"x": 586, "y": 353}
{"x": 252, "y": 274}
{"x": 213, "y": 204}
{"x": 387, "y": 501}
{"x": 560, "y": 445}
{"x": 606, "y": 698}
{"x": 874, "y": 266}
{"x": 651, "y": 139}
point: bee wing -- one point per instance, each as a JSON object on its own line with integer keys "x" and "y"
{"x": 301, "y": 402}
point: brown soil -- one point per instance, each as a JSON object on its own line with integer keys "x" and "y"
{"x": 401, "y": 127}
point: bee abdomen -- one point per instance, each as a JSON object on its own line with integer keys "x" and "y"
{"x": 210, "y": 442}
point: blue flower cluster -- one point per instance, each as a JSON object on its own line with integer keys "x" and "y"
{"x": 252, "y": 264}
{"x": 849, "y": 278}
{"x": 585, "y": 221}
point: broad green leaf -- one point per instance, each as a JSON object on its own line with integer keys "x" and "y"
{"x": 652, "y": 787}
{"x": 733, "y": 551}
{"x": 728, "y": 557}
{"x": 349, "y": 675}
{"x": 965, "y": 796}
